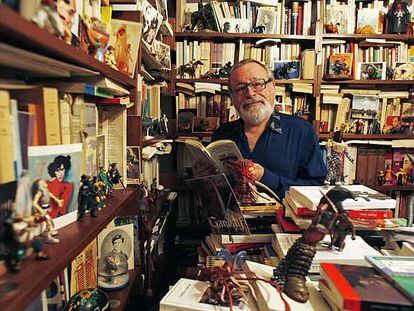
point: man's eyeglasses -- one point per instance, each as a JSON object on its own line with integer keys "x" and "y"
{"x": 256, "y": 85}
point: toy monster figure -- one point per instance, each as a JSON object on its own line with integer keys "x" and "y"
{"x": 107, "y": 185}
{"x": 113, "y": 175}
{"x": 291, "y": 273}
{"x": 86, "y": 198}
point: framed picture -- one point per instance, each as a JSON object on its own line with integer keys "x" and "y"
{"x": 162, "y": 54}
{"x": 235, "y": 25}
{"x": 286, "y": 69}
{"x": 185, "y": 120}
{"x": 403, "y": 71}
{"x": 369, "y": 17}
{"x": 340, "y": 65}
{"x": 266, "y": 17}
{"x": 371, "y": 71}
{"x": 339, "y": 15}
{"x": 101, "y": 160}
{"x": 205, "y": 124}
{"x": 133, "y": 165}
{"x": 162, "y": 8}
{"x": 152, "y": 23}
{"x": 60, "y": 167}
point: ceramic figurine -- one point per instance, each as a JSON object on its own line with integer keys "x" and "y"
{"x": 114, "y": 177}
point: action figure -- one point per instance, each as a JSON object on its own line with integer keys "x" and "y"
{"x": 114, "y": 177}
{"x": 86, "y": 198}
{"x": 102, "y": 176}
{"x": 381, "y": 177}
{"x": 389, "y": 175}
{"x": 336, "y": 149}
{"x": 99, "y": 188}
{"x": 400, "y": 177}
{"x": 41, "y": 202}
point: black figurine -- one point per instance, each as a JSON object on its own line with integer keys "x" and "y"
{"x": 398, "y": 17}
{"x": 86, "y": 198}
{"x": 114, "y": 176}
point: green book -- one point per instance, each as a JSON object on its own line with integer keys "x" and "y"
{"x": 397, "y": 269}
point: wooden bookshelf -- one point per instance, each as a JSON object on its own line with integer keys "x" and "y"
{"x": 392, "y": 188}
{"x": 392, "y": 83}
{"x": 219, "y": 36}
{"x": 35, "y": 276}
{"x": 368, "y": 136}
{"x": 225, "y": 81}
{"x": 16, "y": 30}
{"x": 393, "y": 37}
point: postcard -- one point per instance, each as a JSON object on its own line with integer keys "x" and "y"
{"x": 152, "y": 23}
{"x": 60, "y": 167}
{"x": 340, "y": 64}
{"x": 286, "y": 69}
{"x": 266, "y": 17}
{"x": 162, "y": 54}
{"x": 371, "y": 71}
{"x": 235, "y": 25}
{"x": 133, "y": 165}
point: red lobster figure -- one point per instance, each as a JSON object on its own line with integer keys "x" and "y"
{"x": 243, "y": 170}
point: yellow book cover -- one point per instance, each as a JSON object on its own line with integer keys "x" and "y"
{"x": 52, "y": 117}
{"x": 6, "y": 140}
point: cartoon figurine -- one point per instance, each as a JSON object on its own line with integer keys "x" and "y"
{"x": 107, "y": 185}
{"x": 86, "y": 198}
{"x": 114, "y": 177}
{"x": 389, "y": 174}
{"x": 99, "y": 188}
{"x": 41, "y": 202}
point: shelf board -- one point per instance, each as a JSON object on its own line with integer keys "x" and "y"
{"x": 372, "y": 82}
{"x": 218, "y": 36}
{"x": 401, "y": 37}
{"x": 35, "y": 276}
{"x": 392, "y": 188}
{"x": 368, "y": 136}
{"x": 17, "y": 30}
{"x": 123, "y": 294}
{"x": 225, "y": 81}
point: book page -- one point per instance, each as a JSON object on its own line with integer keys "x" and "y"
{"x": 223, "y": 151}
{"x": 202, "y": 162}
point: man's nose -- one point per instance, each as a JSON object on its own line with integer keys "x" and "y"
{"x": 249, "y": 91}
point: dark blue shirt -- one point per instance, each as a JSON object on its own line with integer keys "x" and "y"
{"x": 288, "y": 150}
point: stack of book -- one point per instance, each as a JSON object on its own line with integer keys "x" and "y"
{"x": 356, "y": 288}
{"x": 369, "y": 209}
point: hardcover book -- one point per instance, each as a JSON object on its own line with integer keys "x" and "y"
{"x": 399, "y": 270}
{"x": 357, "y": 288}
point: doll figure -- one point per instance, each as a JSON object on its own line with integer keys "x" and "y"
{"x": 389, "y": 174}
{"x": 398, "y": 17}
{"x": 86, "y": 198}
{"x": 114, "y": 176}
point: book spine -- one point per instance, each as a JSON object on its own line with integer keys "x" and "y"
{"x": 370, "y": 214}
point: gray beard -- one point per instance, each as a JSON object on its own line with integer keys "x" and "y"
{"x": 255, "y": 115}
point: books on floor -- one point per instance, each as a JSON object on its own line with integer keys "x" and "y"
{"x": 354, "y": 252}
{"x": 354, "y": 288}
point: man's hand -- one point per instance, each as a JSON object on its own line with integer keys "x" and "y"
{"x": 258, "y": 171}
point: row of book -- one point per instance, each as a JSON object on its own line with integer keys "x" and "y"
{"x": 370, "y": 209}
{"x": 365, "y": 111}
{"x": 215, "y": 55}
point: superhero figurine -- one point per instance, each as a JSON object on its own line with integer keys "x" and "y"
{"x": 107, "y": 185}
{"x": 114, "y": 177}
{"x": 86, "y": 198}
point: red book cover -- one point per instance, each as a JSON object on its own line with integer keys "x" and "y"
{"x": 376, "y": 214}
{"x": 287, "y": 225}
{"x": 362, "y": 288}
{"x": 300, "y": 20}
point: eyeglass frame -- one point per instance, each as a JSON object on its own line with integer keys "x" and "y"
{"x": 243, "y": 87}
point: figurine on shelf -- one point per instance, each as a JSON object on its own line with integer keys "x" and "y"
{"x": 389, "y": 176}
{"x": 204, "y": 19}
{"x": 99, "y": 188}
{"x": 381, "y": 177}
{"x": 86, "y": 199}
{"x": 164, "y": 125}
{"x": 400, "y": 177}
{"x": 107, "y": 186}
{"x": 189, "y": 68}
{"x": 67, "y": 10}
{"x": 114, "y": 177}
{"x": 336, "y": 150}
{"x": 398, "y": 17}
{"x": 48, "y": 18}
{"x": 225, "y": 70}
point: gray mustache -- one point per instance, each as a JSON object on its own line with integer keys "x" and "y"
{"x": 251, "y": 101}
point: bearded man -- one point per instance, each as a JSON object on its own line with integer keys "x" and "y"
{"x": 284, "y": 148}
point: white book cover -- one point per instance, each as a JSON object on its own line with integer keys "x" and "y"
{"x": 186, "y": 295}
{"x": 353, "y": 254}
{"x": 310, "y": 196}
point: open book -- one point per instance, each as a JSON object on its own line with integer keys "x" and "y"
{"x": 213, "y": 158}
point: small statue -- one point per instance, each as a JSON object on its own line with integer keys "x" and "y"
{"x": 258, "y": 29}
{"x": 398, "y": 17}
{"x": 291, "y": 272}
{"x": 389, "y": 176}
{"x": 189, "y": 68}
{"x": 41, "y": 203}
{"x": 336, "y": 149}
{"x": 86, "y": 198}
{"x": 225, "y": 70}
{"x": 390, "y": 73}
{"x": 243, "y": 170}
{"x": 164, "y": 125}
{"x": 114, "y": 176}
{"x": 400, "y": 177}
{"x": 380, "y": 177}
{"x": 99, "y": 188}
{"x": 204, "y": 19}
{"x": 48, "y": 18}
{"x": 107, "y": 185}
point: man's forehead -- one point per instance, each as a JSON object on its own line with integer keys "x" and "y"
{"x": 250, "y": 71}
